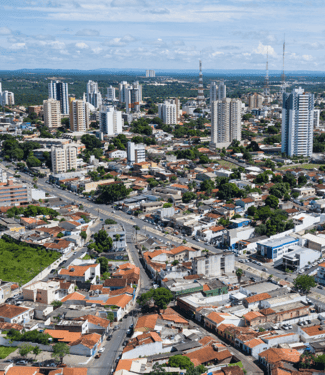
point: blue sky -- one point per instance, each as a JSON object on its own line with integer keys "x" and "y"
{"x": 150, "y": 34}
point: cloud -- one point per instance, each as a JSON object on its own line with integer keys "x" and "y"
{"x": 87, "y": 32}
{"x": 18, "y": 46}
{"x": 120, "y": 42}
{"x": 82, "y": 45}
{"x": 128, "y": 3}
{"x": 158, "y": 11}
{"x": 5, "y": 31}
{"x": 307, "y": 57}
{"x": 264, "y": 49}
{"x": 314, "y": 45}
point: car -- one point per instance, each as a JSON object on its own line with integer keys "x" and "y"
{"x": 101, "y": 350}
{"x": 131, "y": 326}
{"x": 253, "y": 279}
{"x": 308, "y": 321}
{"x": 98, "y": 355}
{"x": 116, "y": 328}
{"x": 51, "y": 364}
{"x": 21, "y": 362}
{"x": 285, "y": 327}
{"x": 320, "y": 287}
{"x": 109, "y": 337}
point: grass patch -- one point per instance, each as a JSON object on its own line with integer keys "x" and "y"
{"x": 225, "y": 163}
{"x": 236, "y": 364}
{"x": 86, "y": 257}
{"x": 304, "y": 166}
{"x": 6, "y": 350}
{"x": 20, "y": 262}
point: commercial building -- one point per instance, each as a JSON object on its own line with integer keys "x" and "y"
{"x": 276, "y": 248}
{"x": 64, "y": 158}
{"x": 214, "y": 264}
{"x": 150, "y": 73}
{"x": 79, "y": 115}
{"x": 52, "y": 113}
{"x": 136, "y": 153}
{"x": 225, "y": 121}
{"x": 168, "y": 111}
{"x": 255, "y": 101}
{"x": 59, "y": 91}
{"x": 93, "y": 95}
{"x": 110, "y": 120}
{"x": 14, "y": 194}
{"x": 222, "y": 91}
{"x": 299, "y": 258}
{"x": 111, "y": 93}
{"x": 297, "y": 123}
{"x": 213, "y": 92}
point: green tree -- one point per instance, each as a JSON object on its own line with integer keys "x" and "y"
{"x": 302, "y": 180}
{"x": 180, "y": 361}
{"x": 57, "y": 303}
{"x": 60, "y": 350}
{"x": 145, "y": 299}
{"x": 25, "y": 349}
{"x": 103, "y": 243}
{"x": 162, "y": 297}
{"x": 110, "y": 222}
{"x": 60, "y": 235}
{"x": 239, "y": 274}
{"x": 188, "y": 196}
{"x": 103, "y": 264}
{"x": 36, "y": 351}
{"x": 83, "y": 235}
{"x": 110, "y": 316}
{"x": 167, "y": 205}
{"x": 304, "y": 282}
{"x": 112, "y": 193}
{"x": 290, "y": 178}
{"x": 272, "y": 201}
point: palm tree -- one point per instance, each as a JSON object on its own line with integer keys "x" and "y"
{"x": 137, "y": 228}
{"x": 117, "y": 238}
{"x": 239, "y": 274}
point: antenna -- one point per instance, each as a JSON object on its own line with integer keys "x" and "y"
{"x": 266, "y": 81}
{"x": 200, "y": 96}
{"x": 283, "y": 77}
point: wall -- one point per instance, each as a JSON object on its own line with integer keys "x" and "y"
{"x": 80, "y": 350}
{"x": 282, "y": 340}
{"x": 147, "y": 350}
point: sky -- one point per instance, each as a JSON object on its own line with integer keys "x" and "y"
{"x": 165, "y": 34}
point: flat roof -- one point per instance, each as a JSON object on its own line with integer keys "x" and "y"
{"x": 313, "y": 238}
{"x": 263, "y": 287}
{"x": 277, "y": 242}
{"x": 300, "y": 250}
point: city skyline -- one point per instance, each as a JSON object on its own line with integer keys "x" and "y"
{"x": 138, "y": 34}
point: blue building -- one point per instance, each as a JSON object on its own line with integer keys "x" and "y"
{"x": 276, "y": 248}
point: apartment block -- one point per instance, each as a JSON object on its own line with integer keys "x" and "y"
{"x": 214, "y": 264}
{"x": 79, "y": 115}
{"x": 255, "y": 101}
{"x": 14, "y": 194}
{"x": 64, "y": 158}
{"x": 52, "y": 113}
{"x": 110, "y": 120}
{"x": 136, "y": 153}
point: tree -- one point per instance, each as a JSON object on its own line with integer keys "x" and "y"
{"x": 272, "y": 201}
{"x": 320, "y": 361}
{"x": 32, "y": 161}
{"x": 110, "y": 222}
{"x": 91, "y": 142}
{"x": 110, "y": 316}
{"x": 25, "y": 349}
{"x": 180, "y": 361}
{"x": 36, "y": 351}
{"x": 112, "y": 193}
{"x": 60, "y": 235}
{"x": 290, "y": 178}
{"x": 83, "y": 235}
{"x": 302, "y": 180}
{"x": 162, "y": 297}
{"x": 304, "y": 282}
{"x": 145, "y": 298}
{"x": 56, "y": 303}
{"x": 60, "y": 350}
{"x": 251, "y": 211}
{"x": 188, "y": 196}
{"x": 167, "y": 205}
{"x": 102, "y": 241}
{"x": 103, "y": 264}
{"x": 239, "y": 274}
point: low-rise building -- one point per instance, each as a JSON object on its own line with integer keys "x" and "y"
{"x": 81, "y": 273}
{"x": 47, "y": 292}
{"x": 276, "y": 248}
{"x": 15, "y": 314}
{"x": 214, "y": 264}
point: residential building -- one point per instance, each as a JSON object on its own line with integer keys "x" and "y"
{"x": 79, "y": 115}
{"x": 14, "y": 194}
{"x": 93, "y": 95}
{"x": 122, "y": 91}
{"x": 225, "y": 121}
{"x": 297, "y": 123}
{"x": 255, "y": 101}
{"x": 59, "y": 91}
{"x": 222, "y": 91}
{"x": 110, "y": 120}
{"x": 15, "y": 314}
{"x": 136, "y": 153}
{"x": 47, "y": 292}
{"x": 64, "y": 158}
{"x": 299, "y": 258}
{"x": 276, "y": 248}
{"x": 6, "y": 97}
{"x": 213, "y": 92}
{"x": 81, "y": 273}
{"x": 213, "y": 264}
{"x": 167, "y": 111}
{"x": 316, "y": 118}
{"x": 150, "y": 73}
{"x": 133, "y": 97}
{"x": 111, "y": 93}
{"x": 52, "y": 113}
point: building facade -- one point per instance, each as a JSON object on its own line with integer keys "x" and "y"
{"x": 64, "y": 158}
{"x": 214, "y": 264}
{"x": 15, "y": 194}
{"x": 136, "y": 153}
{"x": 59, "y": 91}
{"x": 110, "y": 121}
{"x": 150, "y": 73}
{"x": 255, "y": 101}
{"x": 111, "y": 93}
{"x": 79, "y": 115}
{"x": 213, "y": 92}
{"x": 93, "y": 95}
{"x": 52, "y": 113}
{"x": 167, "y": 111}
{"x": 222, "y": 91}
{"x": 297, "y": 123}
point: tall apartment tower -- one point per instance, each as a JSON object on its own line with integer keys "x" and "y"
{"x": 222, "y": 91}
{"x": 213, "y": 92}
{"x": 297, "y": 123}
{"x": 168, "y": 112}
{"x": 79, "y": 115}
{"x": 59, "y": 91}
{"x": 200, "y": 93}
{"x": 255, "y": 101}
{"x": 133, "y": 97}
{"x": 64, "y": 158}
{"x": 93, "y": 95}
{"x": 6, "y": 97}
{"x": 52, "y": 113}
{"x": 110, "y": 120}
{"x": 136, "y": 153}
{"x": 111, "y": 94}
{"x": 150, "y": 73}
{"x": 122, "y": 91}
{"x": 225, "y": 121}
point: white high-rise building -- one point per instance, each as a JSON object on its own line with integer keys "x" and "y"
{"x": 93, "y": 95}
{"x": 316, "y": 118}
{"x": 150, "y": 73}
{"x": 213, "y": 92}
{"x": 122, "y": 91}
{"x": 79, "y": 115}
{"x": 168, "y": 112}
{"x": 255, "y": 101}
{"x": 59, "y": 91}
{"x": 225, "y": 121}
{"x": 6, "y": 97}
{"x": 64, "y": 158}
{"x": 222, "y": 91}
{"x": 297, "y": 123}
{"x": 111, "y": 94}
{"x": 133, "y": 97}
{"x": 110, "y": 120}
{"x": 136, "y": 153}
{"x": 52, "y": 113}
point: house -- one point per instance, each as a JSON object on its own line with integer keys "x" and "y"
{"x": 116, "y": 154}
{"x": 96, "y": 324}
{"x": 87, "y": 345}
{"x": 119, "y": 305}
{"x": 311, "y": 333}
{"x": 115, "y": 284}
{"x": 273, "y": 356}
{"x": 253, "y": 302}
{"x": 63, "y": 335}
{"x": 146, "y": 323}
{"x": 47, "y": 292}
{"x": 15, "y": 314}
{"x": 245, "y": 203}
{"x": 149, "y": 343}
{"x": 62, "y": 246}
{"x": 253, "y": 318}
{"x": 214, "y": 319}
{"x": 254, "y": 347}
{"x": 214, "y": 264}
{"x": 81, "y": 273}
{"x": 216, "y": 353}
{"x": 320, "y": 277}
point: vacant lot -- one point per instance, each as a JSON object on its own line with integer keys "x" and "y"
{"x": 227, "y": 164}
{"x": 304, "y": 166}
{"x": 21, "y": 263}
{"x": 5, "y": 351}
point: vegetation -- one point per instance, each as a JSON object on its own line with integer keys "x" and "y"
{"x": 180, "y": 361}
{"x": 60, "y": 350}
{"x": 32, "y": 211}
{"x": 110, "y": 222}
{"x": 103, "y": 243}
{"x": 304, "y": 282}
{"x": 112, "y": 193}
{"x": 6, "y": 350}
{"x": 160, "y": 296}
{"x": 29, "y": 336}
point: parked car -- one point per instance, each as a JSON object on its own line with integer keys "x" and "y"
{"x": 21, "y": 362}
{"x": 320, "y": 287}
{"x": 101, "y": 350}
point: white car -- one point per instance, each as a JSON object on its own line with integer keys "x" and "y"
{"x": 101, "y": 350}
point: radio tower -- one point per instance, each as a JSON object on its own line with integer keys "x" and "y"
{"x": 266, "y": 81}
{"x": 283, "y": 77}
{"x": 200, "y": 96}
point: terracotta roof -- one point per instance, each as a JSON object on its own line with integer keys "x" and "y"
{"x": 78, "y": 271}
{"x": 252, "y": 315}
{"x": 19, "y": 370}
{"x": 89, "y": 340}
{"x": 73, "y": 296}
{"x": 207, "y": 340}
{"x": 144, "y": 339}
{"x": 313, "y": 330}
{"x": 257, "y": 297}
{"x": 95, "y": 320}
{"x": 117, "y": 292}
{"x": 179, "y": 249}
{"x": 174, "y": 318}
{"x": 278, "y": 336}
{"x": 124, "y": 364}
{"x": 63, "y": 335}
{"x": 6, "y": 326}
{"x": 64, "y": 285}
{"x": 274, "y": 355}
{"x": 254, "y": 342}
{"x": 217, "y": 317}
{"x": 207, "y": 354}
{"x": 10, "y": 311}
{"x": 69, "y": 371}
{"x": 146, "y": 323}
{"x": 115, "y": 283}
{"x": 120, "y": 301}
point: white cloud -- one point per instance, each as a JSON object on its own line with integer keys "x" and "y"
{"x": 128, "y": 3}
{"x": 82, "y": 45}
{"x": 264, "y": 49}
{"x": 17, "y": 46}
{"x": 120, "y": 42}
{"x": 87, "y": 32}
{"x": 5, "y": 31}
{"x": 307, "y": 57}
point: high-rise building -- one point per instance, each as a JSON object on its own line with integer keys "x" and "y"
{"x": 136, "y": 153}
{"x": 222, "y": 91}
{"x": 79, "y": 115}
{"x": 6, "y": 97}
{"x": 93, "y": 95}
{"x": 200, "y": 94}
{"x": 122, "y": 91}
{"x": 316, "y": 118}
{"x": 59, "y": 91}
{"x": 213, "y": 92}
{"x": 64, "y": 158}
{"x": 133, "y": 97}
{"x": 297, "y": 123}
{"x": 168, "y": 112}
{"x": 110, "y": 120}
{"x": 14, "y": 194}
{"x": 225, "y": 121}
{"x": 111, "y": 94}
{"x": 52, "y": 113}
{"x": 150, "y": 73}
{"x": 255, "y": 101}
